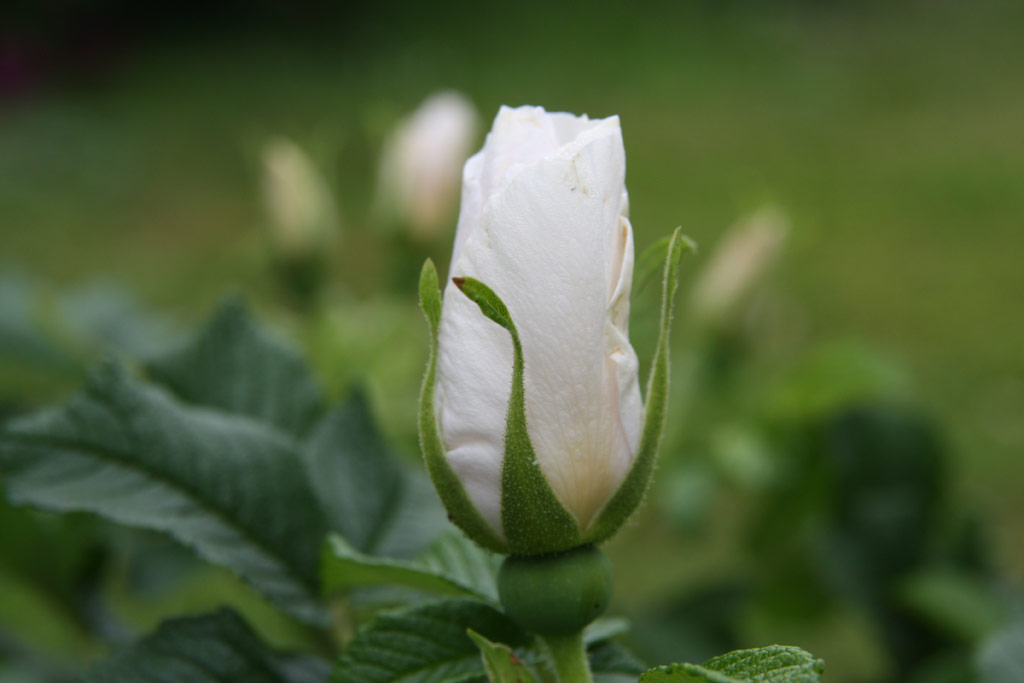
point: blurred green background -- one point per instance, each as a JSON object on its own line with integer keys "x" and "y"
{"x": 892, "y": 134}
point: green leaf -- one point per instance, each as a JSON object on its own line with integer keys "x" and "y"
{"x": 379, "y": 505}
{"x": 632, "y": 490}
{"x": 609, "y": 663}
{"x": 47, "y": 571}
{"x": 772, "y": 664}
{"x": 449, "y": 487}
{"x": 427, "y": 642}
{"x": 1001, "y": 658}
{"x": 532, "y": 517}
{"x": 105, "y": 318}
{"x": 24, "y": 340}
{"x": 608, "y": 658}
{"x": 354, "y": 474}
{"x": 418, "y": 518}
{"x": 454, "y": 556}
{"x": 424, "y": 642}
{"x": 501, "y": 663}
{"x": 47, "y": 340}
{"x": 235, "y": 366}
{"x": 213, "y": 648}
{"x": 36, "y": 623}
{"x": 231, "y": 489}
{"x": 451, "y": 566}
{"x": 956, "y": 602}
{"x": 605, "y": 628}
{"x": 34, "y": 360}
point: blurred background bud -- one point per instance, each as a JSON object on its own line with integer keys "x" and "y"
{"x": 740, "y": 259}
{"x": 421, "y": 164}
{"x": 302, "y": 216}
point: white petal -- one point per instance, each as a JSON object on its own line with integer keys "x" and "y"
{"x": 618, "y": 348}
{"x": 519, "y": 137}
{"x": 553, "y": 244}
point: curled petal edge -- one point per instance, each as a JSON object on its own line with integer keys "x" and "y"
{"x": 634, "y": 487}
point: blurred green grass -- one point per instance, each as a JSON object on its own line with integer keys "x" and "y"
{"x": 892, "y": 134}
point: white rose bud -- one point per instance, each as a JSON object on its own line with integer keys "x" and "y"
{"x": 544, "y": 248}
{"x": 422, "y": 162}
{"x": 739, "y": 262}
{"x": 299, "y": 204}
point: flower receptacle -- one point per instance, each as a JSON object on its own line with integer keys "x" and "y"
{"x": 558, "y": 594}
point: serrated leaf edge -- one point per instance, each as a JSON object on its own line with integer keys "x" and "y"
{"x": 336, "y": 547}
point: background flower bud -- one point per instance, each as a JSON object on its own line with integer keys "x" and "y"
{"x": 743, "y": 255}
{"x": 301, "y": 211}
{"x": 422, "y": 161}
{"x": 543, "y": 223}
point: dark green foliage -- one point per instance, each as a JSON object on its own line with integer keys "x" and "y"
{"x": 426, "y": 642}
{"x": 234, "y": 365}
{"x": 232, "y": 489}
{"x": 868, "y": 488}
{"x": 611, "y": 658}
{"x": 772, "y": 664}
{"x": 429, "y": 642}
{"x": 213, "y": 648}
{"x": 1000, "y": 659}
{"x": 692, "y": 626}
{"x": 355, "y": 476}
{"x": 221, "y": 465}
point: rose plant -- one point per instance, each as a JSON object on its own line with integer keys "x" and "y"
{"x": 547, "y": 465}
{"x": 532, "y": 426}
{"x": 544, "y": 245}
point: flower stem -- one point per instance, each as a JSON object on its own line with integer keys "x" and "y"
{"x": 569, "y": 657}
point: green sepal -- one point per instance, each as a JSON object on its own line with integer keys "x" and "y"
{"x": 461, "y": 510}
{"x": 534, "y": 521}
{"x": 633, "y": 488}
